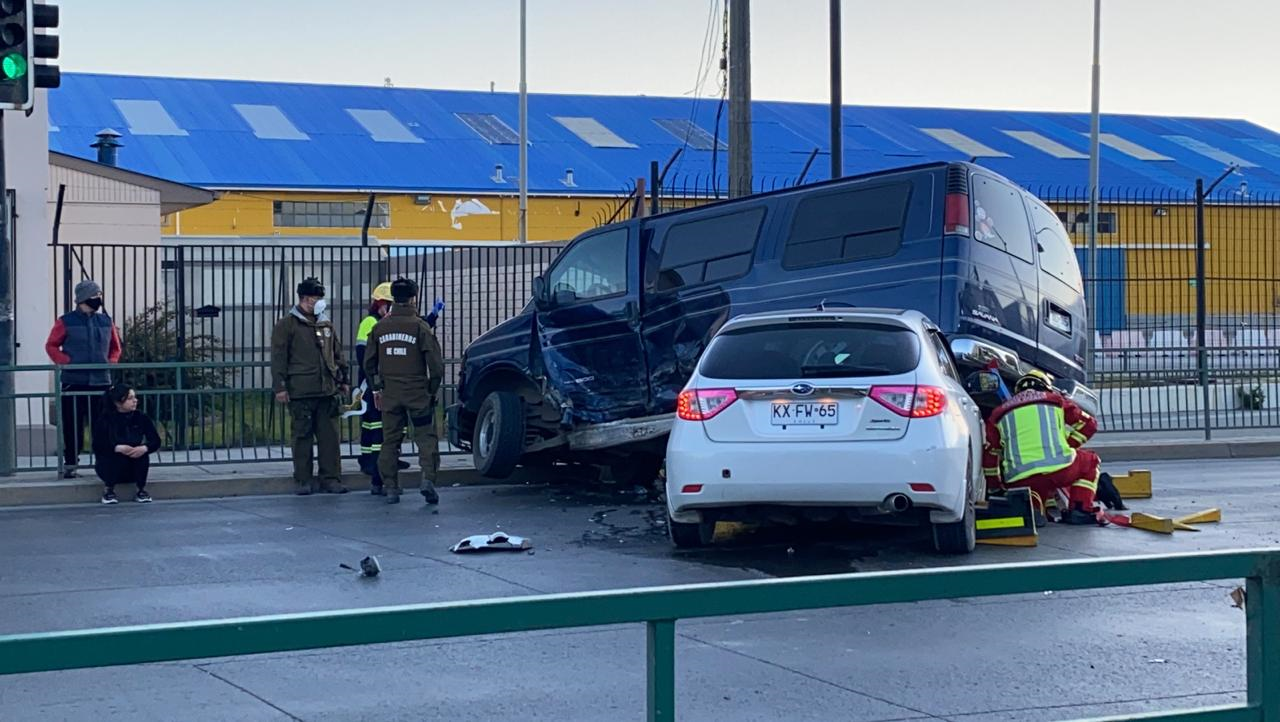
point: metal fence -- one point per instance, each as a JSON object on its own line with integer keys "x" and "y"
{"x": 1187, "y": 287}
{"x": 1187, "y": 290}
{"x": 660, "y": 608}
{"x": 215, "y": 412}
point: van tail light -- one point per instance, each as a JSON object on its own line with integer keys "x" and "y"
{"x": 703, "y": 404}
{"x": 916, "y": 402}
{"x": 955, "y": 218}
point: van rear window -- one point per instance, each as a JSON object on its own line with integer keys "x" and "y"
{"x": 849, "y": 225}
{"x": 812, "y": 350}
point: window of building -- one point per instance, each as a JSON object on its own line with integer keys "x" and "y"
{"x": 847, "y": 226}
{"x": 708, "y": 250}
{"x": 1079, "y": 222}
{"x": 328, "y": 214}
{"x": 1000, "y": 218}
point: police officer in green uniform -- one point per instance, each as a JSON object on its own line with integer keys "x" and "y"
{"x": 405, "y": 368}
{"x": 309, "y": 374}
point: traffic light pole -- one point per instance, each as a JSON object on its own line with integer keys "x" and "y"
{"x": 8, "y": 419}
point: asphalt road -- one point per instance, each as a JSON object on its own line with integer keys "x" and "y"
{"x": 1031, "y": 657}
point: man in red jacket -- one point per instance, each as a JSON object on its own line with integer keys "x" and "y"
{"x": 83, "y": 336}
{"x": 1033, "y": 440}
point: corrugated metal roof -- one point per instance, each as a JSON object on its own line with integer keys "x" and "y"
{"x": 195, "y": 131}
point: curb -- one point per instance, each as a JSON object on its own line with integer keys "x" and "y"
{"x": 1185, "y": 450}
{"x": 86, "y": 490}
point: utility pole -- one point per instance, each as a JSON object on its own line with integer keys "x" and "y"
{"x": 8, "y": 418}
{"x": 837, "y": 122}
{"x": 739, "y": 98}
{"x": 524, "y": 136}
{"x": 1094, "y": 157}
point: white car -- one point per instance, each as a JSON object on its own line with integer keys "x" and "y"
{"x": 855, "y": 412}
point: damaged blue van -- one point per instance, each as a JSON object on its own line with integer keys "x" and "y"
{"x": 590, "y": 370}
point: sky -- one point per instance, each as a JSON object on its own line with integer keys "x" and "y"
{"x": 1159, "y": 57}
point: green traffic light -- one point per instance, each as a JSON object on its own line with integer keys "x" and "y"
{"x": 13, "y": 66}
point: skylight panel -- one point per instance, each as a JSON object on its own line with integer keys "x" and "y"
{"x": 698, "y": 138}
{"x": 269, "y": 122}
{"x": 1045, "y": 144}
{"x": 383, "y": 127}
{"x": 148, "y": 117}
{"x": 1209, "y": 151}
{"x": 963, "y": 143}
{"x": 593, "y": 132}
{"x": 490, "y": 127}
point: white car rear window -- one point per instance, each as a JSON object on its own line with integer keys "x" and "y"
{"x": 812, "y": 350}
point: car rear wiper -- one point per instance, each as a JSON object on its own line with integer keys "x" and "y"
{"x": 836, "y": 370}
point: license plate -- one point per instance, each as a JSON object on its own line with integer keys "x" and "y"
{"x": 804, "y": 413}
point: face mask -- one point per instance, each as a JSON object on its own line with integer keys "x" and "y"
{"x": 94, "y": 303}
{"x": 320, "y": 307}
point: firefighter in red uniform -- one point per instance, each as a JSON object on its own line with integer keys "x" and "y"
{"x": 1033, "y": 440}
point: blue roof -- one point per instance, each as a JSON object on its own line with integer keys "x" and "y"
{"x": 308, "y": 137}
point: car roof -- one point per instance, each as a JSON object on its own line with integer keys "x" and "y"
{"x": 906, "y": 317}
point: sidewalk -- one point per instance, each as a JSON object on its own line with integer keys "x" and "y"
{"x": 255, "y": 478}
{"x": 1184, "y": 445}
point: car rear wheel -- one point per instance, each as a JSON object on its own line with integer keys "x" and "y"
{"x": 959, "y": 537}
{"x": 690, "y": 536}
{"x": 498, "y": 440}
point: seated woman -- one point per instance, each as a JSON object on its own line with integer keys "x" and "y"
{"x": 123, "y": 437}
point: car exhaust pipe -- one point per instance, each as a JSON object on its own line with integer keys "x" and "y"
{"x": 895, "y": 504}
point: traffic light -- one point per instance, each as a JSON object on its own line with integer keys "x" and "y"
{"x": 20, "y": 45}
{"x": 44, "y": 46}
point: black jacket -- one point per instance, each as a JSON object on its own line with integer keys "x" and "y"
{"x": 133, "y": 429}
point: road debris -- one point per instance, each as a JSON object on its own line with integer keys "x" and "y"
{"x": 496, "y": 541}
{"x": 369, "y": 567}
{"x": 1238, "y": 597}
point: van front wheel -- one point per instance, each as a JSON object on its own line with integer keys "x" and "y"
{"x": 498, "y": 440}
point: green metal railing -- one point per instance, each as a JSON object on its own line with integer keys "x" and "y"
{"x": 659, "y": 608}
{"x": 208, "y": 412}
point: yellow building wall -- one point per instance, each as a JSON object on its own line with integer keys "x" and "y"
{"x": 1242, "y": 257}
{"x": 249, "y": 213}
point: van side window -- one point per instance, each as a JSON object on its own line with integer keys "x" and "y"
{"x": 594, "y": 267}
{"x": 999, "y": 218}
{"x": 847, "y": 226}
{"x": 1057, "y": 254}
{"x": 708, "y": 250}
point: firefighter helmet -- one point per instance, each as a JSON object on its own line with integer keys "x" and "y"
{"x": 1034, "y": 379}
{"x": 382, "y": 291}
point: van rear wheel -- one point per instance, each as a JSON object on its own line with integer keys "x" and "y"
{"x": 498, "y": 440}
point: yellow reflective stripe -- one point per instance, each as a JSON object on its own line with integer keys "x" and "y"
{"x": 1008, "y": 522}
{"x": 371, "y": 425}
{"x": 1087, "y": 484}
{"x": 366, "y": 328}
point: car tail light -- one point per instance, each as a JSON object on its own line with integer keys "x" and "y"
{"x": 703, "y": 404}
{"x": 921, "y": 487}
{"x": 916, "y": 402}
{"x": 691, "y": 489}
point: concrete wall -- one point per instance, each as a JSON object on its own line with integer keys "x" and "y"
{"x": 27, "y": 173}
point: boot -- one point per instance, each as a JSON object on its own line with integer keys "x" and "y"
{"x": 429, "y": 492}
{"x": 393, "y": 496}
{"x": 303, "y": 489}
{"x": 1079, "y": 517}
{"x": 1108, "y": 494}
{"x": 334, "y": 487}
